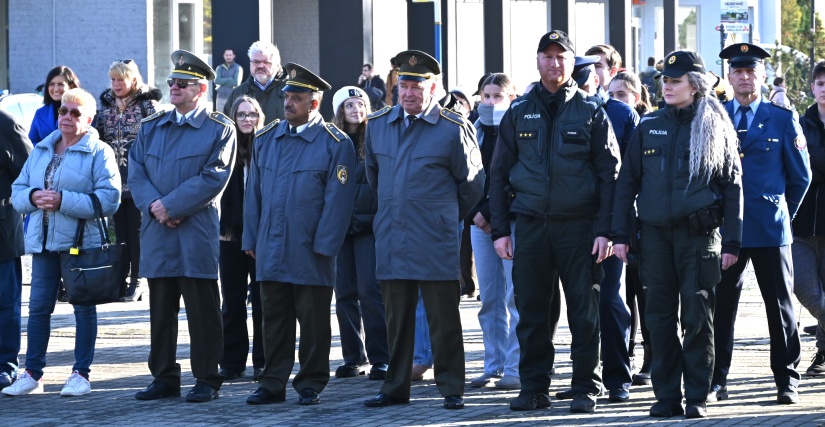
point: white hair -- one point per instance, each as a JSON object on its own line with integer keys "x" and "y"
{"x": 713, "y": 140}
{"x": 267, "y": 49}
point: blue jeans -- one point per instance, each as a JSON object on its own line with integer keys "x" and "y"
{"x": 498, "y": 316}
{"x": 45, "y": 281}
{"x": 11, "y": 286}
{"x": 423, "y": 350}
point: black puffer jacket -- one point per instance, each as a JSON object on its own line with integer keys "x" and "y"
{"x": 810, "y": 218}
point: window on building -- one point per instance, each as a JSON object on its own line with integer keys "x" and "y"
{"x": 688, "y": 37}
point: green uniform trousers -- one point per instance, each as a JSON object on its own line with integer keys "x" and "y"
{"x": 203, "y": 313}
{"x": 441, "y": 299}
{"x": 677, "y": 268}
{"x": 544, "y": 247}
{"x": 282, "y": 305}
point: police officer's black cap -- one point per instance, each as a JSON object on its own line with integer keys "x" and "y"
{"x": 680, "y": 62}
{"x": 583, "y": 68}
{"x": 744, "y": 55}
{"x": 299, "y": 79}
{"x": 556, "y": 36}
{"x": 416, "y": 65}
{"x": 188, "y": 66}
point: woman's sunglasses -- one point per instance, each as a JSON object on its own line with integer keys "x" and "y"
{"x": 74, "y": 112}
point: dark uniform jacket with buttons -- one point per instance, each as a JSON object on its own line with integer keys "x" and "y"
{"x": 656, "y": 175}
{"x": 561, "y": 166}
{"x": 186, "y": 166}
{"x": 427, "y": 178}
{"x": 775, "y": 175}
{"x": 14, "y": 150}
{"x": 299, "y": 199}
{"x": 810, "y": 219}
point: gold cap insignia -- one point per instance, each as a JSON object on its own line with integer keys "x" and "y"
{"x": 744, "y": 48}
{"x": 672, "y": 59}
{"x": 413, "y": 60}
{"x": 342, "y": 174}
{"x": 554, "y": 36}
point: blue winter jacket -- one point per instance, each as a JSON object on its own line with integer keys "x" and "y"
{"x": 43, "y": 124}
{"x": 88, "y": 166}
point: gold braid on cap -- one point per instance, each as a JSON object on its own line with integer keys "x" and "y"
{"x": 294, "y": 83}
{"x": 192, "y": 73}
{"x": 407, "y": 73}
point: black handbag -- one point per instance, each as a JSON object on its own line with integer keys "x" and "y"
{"x": 95, "y": 275}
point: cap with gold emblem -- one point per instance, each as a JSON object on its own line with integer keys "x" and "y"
{"x": 559, "y": 37}
{"x": 299, "y": 79}
{"x": 744, "y": 55}
{"x": 678, "y": 63}
{"x": 416, "y": 65}
{"x": 188, "y": 66}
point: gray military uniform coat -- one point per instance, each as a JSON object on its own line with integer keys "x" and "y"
{"x": 427, "y": 177}
{"x": 186, "y": 166}
{"x": 298, "y": 202}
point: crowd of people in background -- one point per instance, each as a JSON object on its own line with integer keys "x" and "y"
{"x": 643, "y": 197}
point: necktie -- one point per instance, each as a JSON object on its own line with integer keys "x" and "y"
{"x": 182, "y": 119}
{"x": 410, "y": 120}
{"x": 292, "y": 130}
{"x": 742, "y": 127}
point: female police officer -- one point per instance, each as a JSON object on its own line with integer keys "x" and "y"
{"x": 683, "y": 166}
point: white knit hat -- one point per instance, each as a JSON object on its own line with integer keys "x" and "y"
{"x": 347, "y": 92}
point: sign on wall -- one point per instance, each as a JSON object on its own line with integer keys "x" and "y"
{"x": 735, "y": 16}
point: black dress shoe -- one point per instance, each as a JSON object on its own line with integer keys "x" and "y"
{"x": 566, "y": 394}
{"x": 158, "y": 390}
{"x": 694, "y": 409}
{"x": 349, "y": 370}
{"x": 382, "y": 400}
{"x": 787, "y": 395}
{"x": 528, "y": 401}
{"x": 583, "y": 403}
{"x": 229, "y": 375}
{"x": 454, "y": 402}
{"x": 308, "y": 396}
{"x": 202, "y": 392}
{"x": 666, "y": 408}
{"x": 256, "y": 374}
{"x": 378, "y": 371}
{"x": 263, "y": 396}
{"x": 619, "y": 394}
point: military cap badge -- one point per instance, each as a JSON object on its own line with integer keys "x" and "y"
{"x": 554, "y": 36}
{"x": 744, "y": 48}
{"x": 342, "y": 174}
{"x": 672, "y": 59}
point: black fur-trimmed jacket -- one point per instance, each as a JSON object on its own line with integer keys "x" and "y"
{"x": 120, "y": 128}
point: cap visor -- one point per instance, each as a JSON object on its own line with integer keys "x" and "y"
{"x": 413, "y": 78}
{"x": 292, "y": 88}
{"x": 548, "y": 42}
{"x": 183, "y": 76}
{"x": 673, "y": 73}
{"x": 743, "y": 63}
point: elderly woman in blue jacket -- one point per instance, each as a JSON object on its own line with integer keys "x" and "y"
{"x": 53, "y": 188}
{"x": 59, "y": 80}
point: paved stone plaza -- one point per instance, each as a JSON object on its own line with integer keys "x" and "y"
{"x": 120, "y": 370}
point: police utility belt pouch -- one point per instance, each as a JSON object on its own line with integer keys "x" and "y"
{"x": 95, "y": 275}
{"x": 705, "y": 220}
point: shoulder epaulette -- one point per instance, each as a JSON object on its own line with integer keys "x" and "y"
{"x": 379, "y": 113}
{"x": 153, "y": 116}
{"x": 267, "y": 128}
{"x": 781, "y": 106}
{"x": 452, "y": 116}
{"x": 221, "y": 118}
{"x": 335, "y": 132}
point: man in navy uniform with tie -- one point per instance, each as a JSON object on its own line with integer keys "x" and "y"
{"x": 775, "y": 176}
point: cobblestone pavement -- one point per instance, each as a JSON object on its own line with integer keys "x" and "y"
{"x": 120, "y": 370}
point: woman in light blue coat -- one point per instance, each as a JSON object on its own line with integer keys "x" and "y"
{"x": 53, "y": 188}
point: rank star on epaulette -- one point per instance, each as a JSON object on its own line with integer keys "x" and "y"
{"x": 342, "y": 174}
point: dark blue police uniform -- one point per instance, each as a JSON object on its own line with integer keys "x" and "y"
{"x": 775, "y": 176}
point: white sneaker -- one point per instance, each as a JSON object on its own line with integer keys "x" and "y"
{"x": 76, "y": 385}
{"x": 509, "y": 382}
{"x": 25, "y": 384}
{"x": 483, "y": 380}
